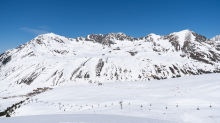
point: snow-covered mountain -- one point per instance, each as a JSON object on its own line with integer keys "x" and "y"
{"x": 57, "y": 60}
{"x": 216, "y": 38}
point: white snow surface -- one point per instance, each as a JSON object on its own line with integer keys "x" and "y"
{"x": 80, "y": 118}
{"x": 90, "y": 99}
{"x": 216, "y": 38}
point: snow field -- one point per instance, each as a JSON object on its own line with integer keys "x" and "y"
{"x": 186, "y": 92}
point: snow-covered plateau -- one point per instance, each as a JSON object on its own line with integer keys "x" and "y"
{"x": 112, "y": 78}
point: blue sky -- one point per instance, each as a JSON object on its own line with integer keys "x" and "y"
{"x": 22, "y": 20}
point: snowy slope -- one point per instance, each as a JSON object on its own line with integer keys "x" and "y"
{"x": 79, "y": 118}
{"x": 54, "y": 60}
{"x": 182, "y": 96}
{"x": 216, "y": 38}
{"x": 73, "y": 67}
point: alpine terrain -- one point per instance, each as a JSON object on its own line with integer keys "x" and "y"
{"x": 57, "y": 60}
{"x": 107, "y": 76}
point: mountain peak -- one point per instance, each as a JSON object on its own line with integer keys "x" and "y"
{"x": 183, "y": 32}
{"x": 49, "y": 34}
{"x": 216, "y": 38}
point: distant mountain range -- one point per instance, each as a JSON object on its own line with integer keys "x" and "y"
{"x": 56, "y": 60}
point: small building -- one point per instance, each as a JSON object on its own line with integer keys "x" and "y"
{"x": 39, "y": 88}
{"x": 46, "y": 88}
{"x": 35, "y": 90}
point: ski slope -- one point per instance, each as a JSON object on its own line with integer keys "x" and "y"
{"x": 82, "y": 100}
{"x": 156, "y": 78}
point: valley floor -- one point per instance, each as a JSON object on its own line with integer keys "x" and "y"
{"x": 171, "y": 100}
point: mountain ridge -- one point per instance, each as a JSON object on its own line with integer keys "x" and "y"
{"x": 55, "y": 60}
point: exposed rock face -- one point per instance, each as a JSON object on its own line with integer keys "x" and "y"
{"x": 58, "y": 60}
{"x": 107, "y": 39}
